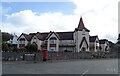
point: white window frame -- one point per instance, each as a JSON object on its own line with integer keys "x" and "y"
{"x": 52, "y": 48}
{"x": 52, "y": 41}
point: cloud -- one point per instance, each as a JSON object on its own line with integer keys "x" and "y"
{"x": 111, "y": 38}
{"x": 28, "y": 21}
{"x": 100, "y": 16}
{"x": 22, "y": 18}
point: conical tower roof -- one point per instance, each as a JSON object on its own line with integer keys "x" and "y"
{"x": 81, "y": 26}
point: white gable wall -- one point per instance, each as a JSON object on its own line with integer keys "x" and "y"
{"x": 84, "y": 45}
{"x": 37, "y": 41}
{"x": 26, "y": 42}
{"x": 57, "y": 43}
{"x": 96, "y": 45}
{"x": 103, "y": 46}
{"x": 14, "y": 41}
{"x": 92, "y": 45}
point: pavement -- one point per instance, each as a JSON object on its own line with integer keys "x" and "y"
{"x": 84, "y": 66}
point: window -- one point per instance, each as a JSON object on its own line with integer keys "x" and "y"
{"x": 52, "y": 49}
{"x": 35, "y": 38}
{"x": 22, "y": 42}
{"x": 97, "y": 41}
{"x": 52, "y": 41}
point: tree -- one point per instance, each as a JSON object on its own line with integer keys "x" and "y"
{"x": 5, "y": 47}
{"x": 14, "y": 49}
{"x": 6, "y": 36}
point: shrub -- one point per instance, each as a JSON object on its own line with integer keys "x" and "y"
{"x": 31, "y": 48}
{"x": 22, "y": 50}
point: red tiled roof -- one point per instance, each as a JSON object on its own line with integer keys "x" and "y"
{"x": 61, "y": 35}
{"x": 39, "y": 36}
{"x": 81, "y": 26}
{"x": 65, "y": 35}
{"x": 27, "y": 37}
{"x": 45, "y": 34}
{"x": 32, "y": 34}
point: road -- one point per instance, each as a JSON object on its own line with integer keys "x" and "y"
{"x": 109, "y": 66}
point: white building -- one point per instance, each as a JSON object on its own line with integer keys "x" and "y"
{"x": 94, "y": 43}
{"x": 104, "y": 45}
{"x": 13, "y": 41}
{"x": 77, "y": 40}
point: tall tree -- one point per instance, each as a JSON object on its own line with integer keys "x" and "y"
{"x": 6, "y": 36}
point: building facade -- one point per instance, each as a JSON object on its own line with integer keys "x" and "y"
{"x": 75, "y": 41}
{"x": 104, "y": 45}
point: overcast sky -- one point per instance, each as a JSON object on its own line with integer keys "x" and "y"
{"x": 99, "y": 16}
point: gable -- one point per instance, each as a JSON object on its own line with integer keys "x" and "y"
{"x": 34, "y": 37}
{"x": 93, "y": 38}
{"x": 21, "y": 37}
{"x": 52, "y": 34}
{"x": 83, "y": 40}
{"x": 26, "y": 36}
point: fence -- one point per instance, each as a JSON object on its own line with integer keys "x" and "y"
{"x": 80, "y": 55}
{"x": 14, "y": 56}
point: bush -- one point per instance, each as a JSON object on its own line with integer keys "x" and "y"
{"x": 31, "y": 48}
{"x": 22, "y": 50}
{"x": 14, "y": 49}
